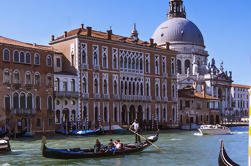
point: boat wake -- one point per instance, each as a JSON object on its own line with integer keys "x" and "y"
{"x": 197, "y": 134}
{"x": 240, "y": 132}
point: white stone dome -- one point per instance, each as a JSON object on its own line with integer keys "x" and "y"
{"x": 178, "y": 30}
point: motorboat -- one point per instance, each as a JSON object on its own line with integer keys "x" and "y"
{"x": 214, "y": 130}
{"x": 4, "y": 145}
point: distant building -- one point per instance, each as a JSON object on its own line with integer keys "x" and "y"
{"x": 197, "y": 107}
{"x": 26, "y": 81}
{"x": 192, "y": 58}
{"x": 118, "y": 78}
{"x": 240, "y": 96}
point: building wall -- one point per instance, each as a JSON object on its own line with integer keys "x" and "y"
{"x": 34, "y": 119}
{"x": 122, "y": 99}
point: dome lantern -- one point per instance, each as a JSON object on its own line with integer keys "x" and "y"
{"x": 176, "y": 9}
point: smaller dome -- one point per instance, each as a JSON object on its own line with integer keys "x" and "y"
{"x": 178, "y": 30}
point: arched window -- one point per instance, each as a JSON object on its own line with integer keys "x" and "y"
{"x": 174, "y": 115}
{"x": 156, "y": 67}
{"x": 187, "y": 66}
{"x": 15, "y": 101}
{"x": 48, "y": 60}
{"x": 179, "y": 66}
{"x": 28, "y": 78}
{"x": 7, "y": 102}
{"x": 164, "y": 66}
{"x": 56, "y": 85}
{"x": 6, "y": 55}
{"x": 147, "y": 90}
{"x": 16, "y": 77}
{"x": 133, "y": 63}
{"x": 129, "y": 63}
{"x": 157, "y": 89}
{"x": 141, "y": 89}
{"x": 137, "y": 88}
{"x": 115, "y": 86}
{"x": 147, "y": 66}
{"x": 22, "y": 60}
{"x": 130, "y": 88}
{"x": 73, "y": 85}
{"x": 96, "y": 86}
{"x": 133, "y": 88}
{"x": 137, "y": 64}
{"x": 37, "y": 59}
{"x": 105, "y": 115}
{"x": 104, "y": 60}
{"x": 125, "y": 88}
{"x": 147, "y": 114}
{"x": 16, "y": 56}
{"x": 164, "y": 114}
{"x": 115, "y": 114}
{"x": 84, "y": 85}
{"x": 37, "y": 79}
{"x": 105, "y": 87}
{"x": 57, "y": 116}
{"x": 121, "y": 86}
{"x": 114, "y": 62}
{"x": 85, "y": 114}
{"x": 125, "y": 62}
{"x": 22, "y": 101}
{"x": 28, "y": 58}
{"x": 38, "y": 104}
{"x": 95, "y": 58}
{"x": 49, "y": 80}
{"x": 6, "y": 77}
{"x": 141, "y": 64}
{"x": 72, "y": 59}
{"x": 73, "y": 116}
{"x": 49, "y": 103}
{"x": 84, "y": 54}
{"x": 121, "y": 62}
{"x": 29, "y": 101}
{"x": 173, "y": 90}
{"x": 164, "y": 90}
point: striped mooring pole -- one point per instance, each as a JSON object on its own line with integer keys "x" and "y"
{"x": 249, "y": 136}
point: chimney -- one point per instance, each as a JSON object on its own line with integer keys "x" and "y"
{"x": 65, "y": 33}
{"x": 195, "y": 86}
{"x": 203, "y": 91}
{"x": 151, "y": 42}
{"x": 89, "y": 31}
{"x": 109, "y": 34}
{"x": 52, "y": 37}
{"x": 82, "y": 26}
{"x": 167, "y": 45}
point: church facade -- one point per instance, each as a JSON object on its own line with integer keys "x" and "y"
{"x": 192, "y": 58}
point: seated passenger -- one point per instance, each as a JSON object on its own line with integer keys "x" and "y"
{"x": 97, "y": 146}
{"x": 111, "y": 146}
{"x": 119, "y": 145}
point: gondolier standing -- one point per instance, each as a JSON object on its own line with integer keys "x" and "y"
{"x": 136, "y": 128}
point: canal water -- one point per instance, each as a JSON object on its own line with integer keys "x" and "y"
{"x": 183, "y": 148}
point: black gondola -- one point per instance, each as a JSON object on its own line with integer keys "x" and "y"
{"x": 78, "y": 153}
{"x": 223, "y": 159}
{"x": 4, "y": 145}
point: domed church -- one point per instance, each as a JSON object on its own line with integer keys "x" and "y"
{"x": 193, "y": 68}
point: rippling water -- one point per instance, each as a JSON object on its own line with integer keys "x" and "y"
{"x": 183, "y": 148}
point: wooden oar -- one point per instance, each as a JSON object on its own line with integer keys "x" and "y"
{"x": 148, "y": 141}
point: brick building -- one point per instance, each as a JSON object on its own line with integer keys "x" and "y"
{"x": 26, "y": 81}
{"x": 119, "y": 78}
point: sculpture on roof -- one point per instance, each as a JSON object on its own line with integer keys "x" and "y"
{"x": 134, "y": 34}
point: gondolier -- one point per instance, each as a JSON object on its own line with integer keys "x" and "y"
{"x": 136, "y": 128}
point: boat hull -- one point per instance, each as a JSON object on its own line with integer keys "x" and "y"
{"x": 4, "y": 146}
{"x": 223, "y": 159}
{"x": 215, "y": 131}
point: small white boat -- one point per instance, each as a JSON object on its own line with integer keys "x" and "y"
{"x": 214, "y": 130}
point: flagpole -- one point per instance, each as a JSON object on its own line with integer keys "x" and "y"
{"x": 249, "y": 136}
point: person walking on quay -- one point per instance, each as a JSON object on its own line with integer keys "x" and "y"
{"x": 136, "y": 128}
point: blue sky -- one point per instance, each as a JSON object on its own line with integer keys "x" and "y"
{"x": 225, "y": 24}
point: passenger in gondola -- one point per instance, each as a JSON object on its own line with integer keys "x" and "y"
{"x": 97, "y": 146}
{"x": 111, "y": 146}
{"x": 119, "y": 145}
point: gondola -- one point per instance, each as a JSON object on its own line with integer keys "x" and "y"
{"x": 4, "y": 145}
{"x": 223, "y": 159}
{"x": 78, "y": 153}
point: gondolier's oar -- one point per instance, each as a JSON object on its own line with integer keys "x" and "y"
{"x": 148, "y": 141}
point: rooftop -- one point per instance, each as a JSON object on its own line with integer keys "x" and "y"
{"x": 5, "y": 40}
{"x": 241, "y": 86}
{"x": 189, "y": 92}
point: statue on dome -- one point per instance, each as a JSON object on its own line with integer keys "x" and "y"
{"x": 221, "y": 67}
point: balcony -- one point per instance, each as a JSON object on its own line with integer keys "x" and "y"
{"x": 66, "y": 94}
{"x": 96, "y": 96}
{"x": 86, "y": 96}
{"x": 165, "y": 75}
{"x": 158, "y": 98}
{"x": 20, "y": 111}
{"x": 28, "y": 86}
{"x": 165, "y": 99}
{"x": 106, "y": 96}
{"x": 148, "y": 98}
{"x": 96, "y": 67}
{"x": 116, "y": 97}
{"x": 84, "y": 66}
{"x": 16, "y": 85}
